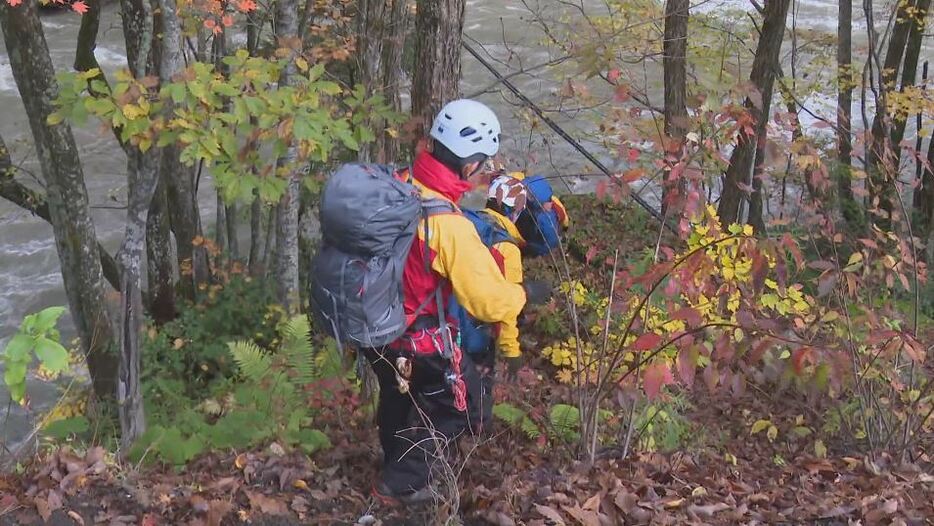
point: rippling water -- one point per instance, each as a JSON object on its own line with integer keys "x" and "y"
{"x": 30, "y": 277}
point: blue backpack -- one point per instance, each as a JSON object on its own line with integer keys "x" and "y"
{"x": 475, "y": 336}
{"x": 541, "y": 228}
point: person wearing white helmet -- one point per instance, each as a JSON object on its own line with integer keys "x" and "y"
{"x": 447, "y": 258}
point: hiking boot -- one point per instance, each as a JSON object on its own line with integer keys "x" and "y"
{"x": 393, "y": 499}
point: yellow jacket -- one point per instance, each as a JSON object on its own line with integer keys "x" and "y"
{"x": 508, "y": 339}
{"x": 459, "y": 256}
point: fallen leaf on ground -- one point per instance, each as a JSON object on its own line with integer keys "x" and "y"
{"x": 267, "y": 505}
{"x": 708, "y": 510}
{"x": 584, "y": 517}
{"x": 550, "y": 513}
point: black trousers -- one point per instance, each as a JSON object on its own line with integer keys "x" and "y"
{"x": 417, "y": 429}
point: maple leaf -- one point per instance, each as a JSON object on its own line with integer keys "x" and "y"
{"x": 656, "y": 375}
{"x": 79, "y": 7}
{"x": 227, "y": 20}
{"x": 14, "y": 3}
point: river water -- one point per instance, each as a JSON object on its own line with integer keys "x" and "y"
{"x": 30, "y": 277}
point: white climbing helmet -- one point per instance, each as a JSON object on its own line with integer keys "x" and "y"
{"x": 467, "y": 127}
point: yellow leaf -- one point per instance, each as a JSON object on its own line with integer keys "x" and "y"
{"x": 240, "y": 461}
{"x": 820, "y": 450}
{"x": 178, "y": 343}
{"x": 731, "y": 458}
{"x": 759, "y": 425}
{"x": 699, "y": 491}
{"x": 301, "y": 63}
{"x": 54, "y": 118}
{"x": 674, "y": 503}
{"x": 300, "y": 484}
{"x": 772, "y": 433}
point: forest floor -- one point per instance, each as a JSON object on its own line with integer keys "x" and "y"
{"x": 715, "y": 471}
{"x": 721, "y": 476}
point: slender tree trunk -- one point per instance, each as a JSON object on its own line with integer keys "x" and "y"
{"x": 142, "y": 177}
{"x": 185, "y": 219}
{"x": 257, "y": 211}
{"x": 439, "y": 26}
{"x": 847, "y": 203}
{"x": 67, "y": 196}
{"x": 675, "y": 73}
{"x": 910, "y": 68}
{"x": 160, "y": 258}
{"x": 881, "y": 156}
{"x": 927, "y": 202}
{"x": 269, "y": 251}
{"x": 287, "y": 218}
{"x": 220, "y": 224}
{"x": 764, "y": 68}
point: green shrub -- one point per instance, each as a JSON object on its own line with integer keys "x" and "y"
{"x": 191, "y": 351}
{"x": 269, "y": 399}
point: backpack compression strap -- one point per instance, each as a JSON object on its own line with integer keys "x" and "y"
{"x": 430, "y": 208}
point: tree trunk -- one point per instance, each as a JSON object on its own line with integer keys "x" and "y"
{"x": 764, "y": 68}
{"x": 257, "y": 211}
{"x": 847, "y": 203}
{"x": 67, "y": 196}
{"x": 439, "y": 26}
{"x": 160, "y": 258}
{"x": 185, "y": 219}
{"x": 881, "y": 157}
{"x": 674, "y": 64}
{"x": 927, "y": 202}
{"x": 142, "y": 177}
{"x": 393, "y": 74}
{"x": 287, "y": 218}
{"x": 910, "y": 68}
{"x": 220, "y": 224}
{"x": 381, "y": 33}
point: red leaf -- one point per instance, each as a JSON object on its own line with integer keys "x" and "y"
{"x": 799, "y": 356}
{"x": 687, "y": 365}
{"x": 591, "y": 253}
{"x": 646, "y": 342}
{"x": 633, "y": 155}
{"x": 689, "y": 315}
{"x": 621, "y": 94}
{"x": 613, "y": 75}
{"x": 14, "y": 3}
{"x": 79, "y": 7}
{"x": 656, "y": 375}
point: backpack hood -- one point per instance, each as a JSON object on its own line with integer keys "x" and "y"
{"x": 437, "y": 177}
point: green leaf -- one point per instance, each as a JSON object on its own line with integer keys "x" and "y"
{"x": 52, "y": 355}
{"x": 14, "y": 374}
{"x": 47, "y": 318}
{"x": 17, "y": 391}
{"x": 820, "y": 450}
{"x": 66, "y": 427}
{"x": 17, "y": 349}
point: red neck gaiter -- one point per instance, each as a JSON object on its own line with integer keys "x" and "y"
{"x": 438, "y": 177}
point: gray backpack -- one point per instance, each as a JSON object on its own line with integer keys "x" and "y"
{"x": 368, "y": 223}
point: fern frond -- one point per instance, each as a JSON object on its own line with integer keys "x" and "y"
{"x": 252, "y": 361}
{"x": 296, "y": 346}
{"x": 328, "y": 362}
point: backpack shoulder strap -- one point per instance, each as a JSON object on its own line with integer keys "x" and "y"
{"x": 500, "y": 234}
